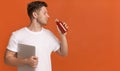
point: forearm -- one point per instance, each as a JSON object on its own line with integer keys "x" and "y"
{"x": 63, "y": 46}
{"x": 10, "y": 58}
{"x": 15, "y": 61}
{"x": 63, "y": 41}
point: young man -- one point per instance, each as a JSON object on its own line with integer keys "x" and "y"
{"x": 35, "y": 34}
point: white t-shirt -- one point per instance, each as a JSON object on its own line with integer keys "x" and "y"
{"x": 44, "y": 41}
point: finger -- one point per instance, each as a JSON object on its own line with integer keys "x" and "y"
{"x": 67, "y": 27}
{"x": 34, "y": 66}
{"x": 34, "y": 57}
{"x": 64, "y": 23}
{"x": 35, "y": 63}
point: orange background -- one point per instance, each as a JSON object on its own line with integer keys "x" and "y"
{"x": 93, "y": 37}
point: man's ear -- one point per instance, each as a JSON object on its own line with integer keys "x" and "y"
{"x": 35, "y": 15}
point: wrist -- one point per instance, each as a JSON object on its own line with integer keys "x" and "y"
{"x": 63, "y": 37}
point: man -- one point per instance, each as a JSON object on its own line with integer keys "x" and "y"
{"x": 35, "y": 34}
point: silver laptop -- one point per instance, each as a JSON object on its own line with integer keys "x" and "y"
{"x": 25, "y": 51}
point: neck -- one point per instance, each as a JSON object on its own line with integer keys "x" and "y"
{"x": 35, "y": 26}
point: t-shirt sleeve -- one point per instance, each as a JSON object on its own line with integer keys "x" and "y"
{"x": 12, "y": 44}
{"x": 56, "y": 44}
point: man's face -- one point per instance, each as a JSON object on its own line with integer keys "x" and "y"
{"x": 42, "y": 16}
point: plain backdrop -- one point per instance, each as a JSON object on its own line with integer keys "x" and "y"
{"x": 93, "y": 36}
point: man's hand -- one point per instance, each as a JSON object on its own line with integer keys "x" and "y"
{"x": 63, "y": 51}
{"x": 32, "y": 61}
{"x": 66, "y": 26}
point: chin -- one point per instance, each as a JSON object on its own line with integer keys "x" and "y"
{"x": 44, "y": 23}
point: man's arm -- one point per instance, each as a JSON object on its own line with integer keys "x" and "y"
{"x": 11, "y": 59}
{"x": 63, "y": 51}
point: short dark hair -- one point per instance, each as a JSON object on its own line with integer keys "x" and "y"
{"x": 35, "y": 5}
